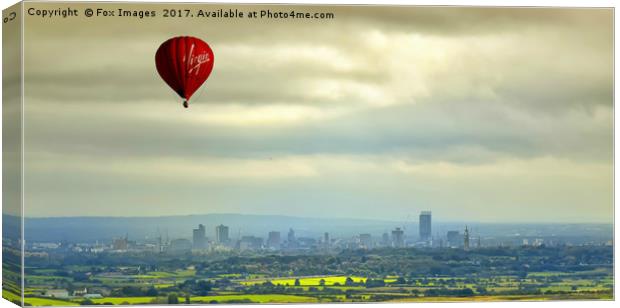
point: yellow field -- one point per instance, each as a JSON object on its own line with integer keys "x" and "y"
{"x": 257, "y": 298}
{"x": 284, "y": 298}
{"x": 128, "y": 300}
{"x": 10, "y": 296}
{"x": 37, "y": 301}
{"x": 307, "y": 281}
{"x": 159, "y": 275}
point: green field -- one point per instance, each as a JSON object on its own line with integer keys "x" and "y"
{"x": 285, "y": 298}
{"x": 37, "y": 301}
{"x": 127, "y": 300}
{"x": 421, "y": 275}
{"x": 305, "y": 281}
{"x": 504, "y": 298}
{"x": 574, "y": 286}
{"x": 10, "y": 296}
{"x": 256, "y": 298}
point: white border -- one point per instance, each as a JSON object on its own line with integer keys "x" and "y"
{"x": 505, "y": 3}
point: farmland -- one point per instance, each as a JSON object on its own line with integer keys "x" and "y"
{"x": 394, "y": 275}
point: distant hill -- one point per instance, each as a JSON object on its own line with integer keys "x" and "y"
{"x": 77, "y": 229}
{"x": 104, "y": 229}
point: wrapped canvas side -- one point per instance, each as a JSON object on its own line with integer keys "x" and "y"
{"x": 12, "y": 162}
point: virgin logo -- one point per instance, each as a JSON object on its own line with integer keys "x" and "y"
{"x": 195, "y": 61}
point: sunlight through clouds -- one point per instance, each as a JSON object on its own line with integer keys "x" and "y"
{"x": 497, "y": 110}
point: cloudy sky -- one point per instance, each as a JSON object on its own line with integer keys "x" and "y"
{"x": 496, "y": 115}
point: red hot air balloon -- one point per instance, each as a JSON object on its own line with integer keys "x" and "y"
{"x": 184, "y": 63}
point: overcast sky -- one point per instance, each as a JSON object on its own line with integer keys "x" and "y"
{"x": 496, "y": 115}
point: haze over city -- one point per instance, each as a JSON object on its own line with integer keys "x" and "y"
{"x": 489, "y": 115}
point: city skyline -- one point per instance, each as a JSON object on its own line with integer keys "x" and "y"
{"x": 398, "y": 239}
{"x": 267, "y": 229}
{"x": 322, "y": 241}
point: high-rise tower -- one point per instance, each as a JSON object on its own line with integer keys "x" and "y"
{"x": 425, "y": 226}
{"x": 398, "y": 238}
{"x": 221, "y": 234}
{"x": 273, "y": 240}
{"x": 199, "y": 237}
{"x": 466, "y": 239}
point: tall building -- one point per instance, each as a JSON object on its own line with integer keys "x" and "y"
{"x": 200, "y": 237}
{"x": 221, "y": 234}
{"x": 425, "y": 226}
{"x": 454, "y": 239}
{"x": 120, "y": 243}
{"x": 273, "y": 241}
{"x": 466, "y": 239}
{"x": 290, "y": 238}
{"x": 291, "y": 235}
{"x": 398, "y": 238}
{"x": 385, "y": 239}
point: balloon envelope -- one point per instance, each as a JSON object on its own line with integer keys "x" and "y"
{"x": 184, "y": 63}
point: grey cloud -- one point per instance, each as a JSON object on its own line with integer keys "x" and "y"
{"x": 424, "y": 131}
{"x": 466, "y": 87}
